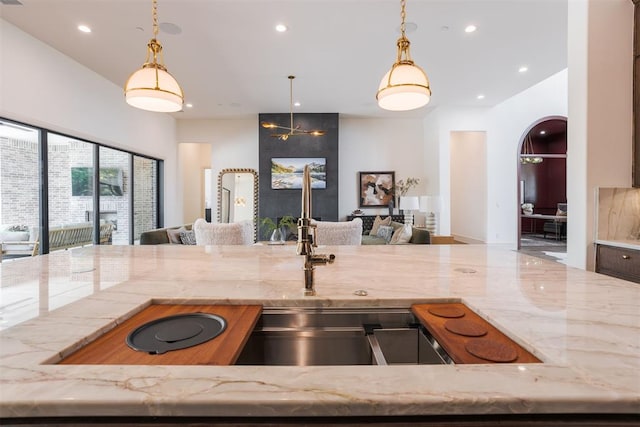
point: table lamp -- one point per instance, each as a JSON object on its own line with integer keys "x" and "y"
{"x": 431, "y": 205}
{"x": 409, "y": 204}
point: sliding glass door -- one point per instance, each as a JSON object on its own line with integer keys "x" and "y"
{"x": 145, "y": 195}
{"x": 19, "y": 189}
{"x": 115, "y": 193}
{"x": 50, "y": 181}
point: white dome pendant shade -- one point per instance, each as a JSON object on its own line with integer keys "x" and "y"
{"x": 406, "y": 86}
{"x": 152, "y": 88}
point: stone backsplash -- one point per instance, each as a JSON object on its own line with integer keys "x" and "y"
{"x": 618, "y": 214}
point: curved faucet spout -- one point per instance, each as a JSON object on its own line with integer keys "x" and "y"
{"x": 305, "y": 229}
{"x": 307, "y": 237}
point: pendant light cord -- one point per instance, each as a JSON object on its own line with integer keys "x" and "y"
{"x": 291, "y": 100}
{"x": 403, "y": 15}
{"x": 404, "y": 57}
{"x": 154, "y": 12}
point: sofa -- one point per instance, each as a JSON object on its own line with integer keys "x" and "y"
{"x": 164, "y": 236}
{"x": 377, "y": 236}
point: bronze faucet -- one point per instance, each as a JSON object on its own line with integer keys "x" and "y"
{"x": 307, "y": 237}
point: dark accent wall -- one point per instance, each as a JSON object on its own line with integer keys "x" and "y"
{"x": 545, "y": 184}
{"x": 277, "y": 203}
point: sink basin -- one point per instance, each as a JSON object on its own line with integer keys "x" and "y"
{"x": 310, "y": 337}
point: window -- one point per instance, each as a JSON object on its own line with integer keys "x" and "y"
{"x": 81, "y": 177}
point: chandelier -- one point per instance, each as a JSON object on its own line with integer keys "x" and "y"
{"x": 291, "y": 130}
{"x": 529, "y": 157}
{"x": 406, "y": 86}
{"x": 151, "y": 87}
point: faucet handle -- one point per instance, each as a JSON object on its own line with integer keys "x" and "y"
{"x": 313, "y": 230}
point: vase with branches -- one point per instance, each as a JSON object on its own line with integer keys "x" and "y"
{"x": 402, "y": 187}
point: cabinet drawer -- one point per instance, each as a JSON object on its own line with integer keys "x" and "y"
{"x": 618, "y": 262}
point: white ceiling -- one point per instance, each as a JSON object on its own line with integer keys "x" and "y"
{"x": 231, "y": 62}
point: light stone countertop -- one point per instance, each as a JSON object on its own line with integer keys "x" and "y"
{"x": 627, "y": 243}
{"x": 584, "y": 326}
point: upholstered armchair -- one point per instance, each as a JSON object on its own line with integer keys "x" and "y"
{"x": 235, "y": 233}
{"x": 339, "y": 233}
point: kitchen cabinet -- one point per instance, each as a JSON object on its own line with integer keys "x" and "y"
{"x": 620, "y": 262}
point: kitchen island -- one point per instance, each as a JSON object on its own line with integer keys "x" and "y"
{"x": 584, "y": 326}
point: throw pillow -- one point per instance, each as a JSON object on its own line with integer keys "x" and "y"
{"x": 174, "y": 235}
{"x": 377, "y": 223}
{"x": 402, "y": 235}
{"x": 396, "y": 225}
{"x": 386, "y": 232}
{"x": 188, "y": 237}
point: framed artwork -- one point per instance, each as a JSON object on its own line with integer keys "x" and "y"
{"x": 286, "y": 172}
{"x": 376, "y": 189}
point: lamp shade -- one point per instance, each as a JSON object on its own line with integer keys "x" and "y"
{"x": 404, "y": 87}
{"x": 153, "y": 89}
{"x": 409, "y": 203}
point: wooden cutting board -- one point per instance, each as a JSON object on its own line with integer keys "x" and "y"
{"x": 467, "y": 337}
{"x": 112, "y": 349}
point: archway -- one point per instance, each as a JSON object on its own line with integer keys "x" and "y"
{"x": 542, "y": 186}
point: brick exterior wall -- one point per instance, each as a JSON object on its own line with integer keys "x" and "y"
{"x": 19, "y": 199}
{"x": 18, "y": 182}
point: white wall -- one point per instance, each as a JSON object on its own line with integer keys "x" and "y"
{"x": 41, "y": 86}
{"x": 469, "y": 186}
{"x": 507, "y": 124}
{"x": 234, "y": 144}
{"x": 504, "y": 125}
{"x": 193, "y": 158}
{"x": 379, "y": 145}
{"x": 440, "y": 124}
{"x": 365, "y": 145}
{"x": 600, "y": 105}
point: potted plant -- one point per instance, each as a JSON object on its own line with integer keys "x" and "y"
{"x": 277, "y": 233}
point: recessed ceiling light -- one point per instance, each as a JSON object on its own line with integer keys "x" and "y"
{"x": 296, "y": 104}
{"x": 481, "y": 96}
{"x": 523, "y": 69}
{"x": 409, "y": 27}
{"x": 281, "y": 28}
{"x": 543, "y": 132}
{"x": 84, "y": 28}
{"x": 170, "y": 28}
{"x": 188, "y": 105}
{"x": 470, "y": 29}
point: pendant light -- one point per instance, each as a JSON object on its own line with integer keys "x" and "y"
{"x": 529, "y": 157}
{"x": 152, "y": 88}
{"x": 291, "y": 131}
{"x": 406, "y": 86}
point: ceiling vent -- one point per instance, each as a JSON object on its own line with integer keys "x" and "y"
{"x": 11, "y": 2}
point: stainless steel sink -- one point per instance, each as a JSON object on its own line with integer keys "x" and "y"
{"x": 340, "y": 336}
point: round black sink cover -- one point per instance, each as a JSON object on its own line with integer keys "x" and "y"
{"x": 176, "y": 332}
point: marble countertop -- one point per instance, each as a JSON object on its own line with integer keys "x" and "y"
{"x": 627, "y": 243}
{"x": 584, "y": 326}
